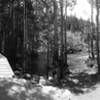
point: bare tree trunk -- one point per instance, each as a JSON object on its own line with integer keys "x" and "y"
{"x": 24, "y": 42}
{"x": 3, "y": 43}
{"x": 48, "y": 56}
{"x": 89, "y": 44}
{"x": 97, "y": 30}
{"x": 48, "y": 50}
{"x": 55, "y": 58}
{"x": 62, "y": 40}
{"x": 92, "y": 46}
{"x": 65, "y": 35}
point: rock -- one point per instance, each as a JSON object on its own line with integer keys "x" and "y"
{"x": 42, "y": 81}
{"x": 50, "y": 78}
{"x": 19, "y": 81}
{"x": 18, "y": 74}
{"x": 35, "y": 79}
{"x": 27, "y": 76}
{"x": 76, "y": 81}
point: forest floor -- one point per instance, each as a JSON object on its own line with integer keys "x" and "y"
{"x": 91, "y": 94}
{"x": 80, "y": 84}
{"x": 85, "y": 85}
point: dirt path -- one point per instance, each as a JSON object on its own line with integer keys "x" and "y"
{"x": 77, "y": 64}
{"x": 91, "y": 95}
{"x": 81, "y": 86}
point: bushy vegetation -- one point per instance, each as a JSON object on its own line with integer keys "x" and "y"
{"x": 29, "y": 27}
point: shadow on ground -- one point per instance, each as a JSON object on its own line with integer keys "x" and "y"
{"x": 20, "y": 90}
{"x": 80, "y": 83}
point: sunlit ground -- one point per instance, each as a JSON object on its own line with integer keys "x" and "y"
{"x": 20, "y": 89}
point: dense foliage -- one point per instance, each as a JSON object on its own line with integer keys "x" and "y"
{"x": 28, "y": 27}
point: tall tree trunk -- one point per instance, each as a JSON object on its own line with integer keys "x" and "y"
{"x": 24, "y": 42}
{"x": 65, "y": 35}
{"x": 48, "y": 50}
{"x": 2, "y": 29}
{"x": 89, "y": 44}
{"x": 48, "y": 56}
{"x": 55, "y": 58}
{"x": 97, "y": 30}
{"x": 3, "y": 43}
{"x": 62, "y": 41}
{"x": 92, "y": 46}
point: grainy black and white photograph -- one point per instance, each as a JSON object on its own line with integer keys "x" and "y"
{"x": 49, "y": 50}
